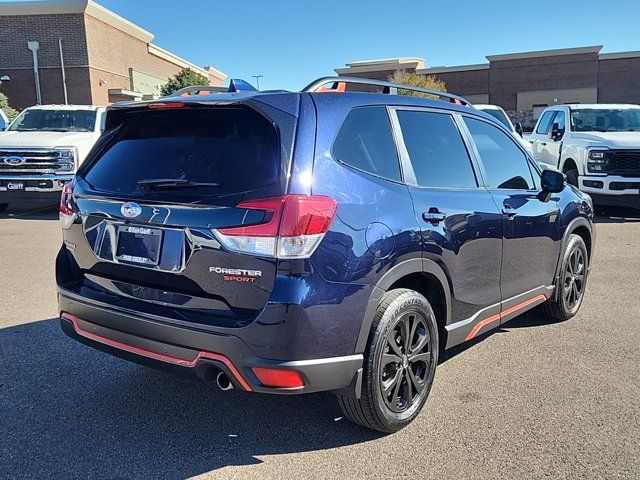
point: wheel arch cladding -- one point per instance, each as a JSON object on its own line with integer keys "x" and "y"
{"x": 578, "y": 226}
{"x": 569, "y": 162}
{"x": 585, "y": 233}
{"x": 422, "y": 275}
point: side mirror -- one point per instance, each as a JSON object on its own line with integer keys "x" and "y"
{"x": 552, "y": 182}
{"x": 556, "y": 133}
{"x": 518, "y": 127}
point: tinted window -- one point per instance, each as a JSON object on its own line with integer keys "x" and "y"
{"x": 55, "y": 121}
{"x": 365, "y": 142}
{"x": 236, "y": 148}
{"x": 437, "y": 152}
{"x": 545, "y": 122}
{"x": 2, "y": 123}
{"x": 505, "y": 164}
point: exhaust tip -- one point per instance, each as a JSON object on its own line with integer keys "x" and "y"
{"x": 223, "y": 381}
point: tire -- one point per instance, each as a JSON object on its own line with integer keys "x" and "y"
{"x": 406, "y": 371}
{"x": 572, "y": 282}
{"x": 572, "y": 177}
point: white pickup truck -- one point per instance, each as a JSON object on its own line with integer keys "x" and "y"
{"x": 596, "y": 146}
{"x": 41, "y": 150}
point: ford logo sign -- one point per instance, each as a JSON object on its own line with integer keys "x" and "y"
{"x": 131, "y": 209}
{"x": 14, "y": 160}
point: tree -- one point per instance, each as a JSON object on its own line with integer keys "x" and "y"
{"x": 185, "y": 78}
{"x": 4, "y": 106}
{"x": 416, "y": 80}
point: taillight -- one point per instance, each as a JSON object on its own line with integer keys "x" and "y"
{"x": 67, "y": 215}
{"x": 292, "y": 226}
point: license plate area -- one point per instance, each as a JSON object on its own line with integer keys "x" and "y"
{"x": 138, "y": 245}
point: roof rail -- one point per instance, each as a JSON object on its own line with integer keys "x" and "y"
{"x": 391, "y": 88}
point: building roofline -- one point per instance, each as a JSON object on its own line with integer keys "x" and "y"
{"x": 43, "y": 7}
{"x": 88, "y": 7}
{"x": 398, "y": 63}
{"x": 616, "y": 55}
{"x": 459, "y": 68}
{"x": 545, "y": 53}
{"x": 378, "y": 61}
{"x": 97, "y": 11}
{"x": 181, "y": 62}
{"x": 107, "y": 16}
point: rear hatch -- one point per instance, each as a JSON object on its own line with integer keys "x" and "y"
{"x": 148, "y": 202}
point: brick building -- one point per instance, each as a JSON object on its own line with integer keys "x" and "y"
{"x": 525, "y": 83}
{"x": 106, "y": 57}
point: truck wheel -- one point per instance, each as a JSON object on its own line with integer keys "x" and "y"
{"x": 399, "y": 363}
{"x": 572, "y": 281}
{"x": 572, "y": 177}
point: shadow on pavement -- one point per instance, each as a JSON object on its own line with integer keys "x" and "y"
{"x": 532, "y": 318}
{"x": 69, "y": 411}
{"x": 47, "y": 213}
{"x": 616, "y": 215}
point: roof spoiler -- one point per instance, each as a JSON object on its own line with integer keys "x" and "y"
{"x": 338, "y": 84}
{"x": 235, "y": 85}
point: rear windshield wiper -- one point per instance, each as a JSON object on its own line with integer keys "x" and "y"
{"x": 167, "y": 183}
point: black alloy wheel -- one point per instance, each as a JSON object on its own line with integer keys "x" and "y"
{"x": 405, "y": 362}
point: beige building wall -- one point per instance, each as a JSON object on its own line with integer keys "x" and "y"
{"x": 530, "y": 99}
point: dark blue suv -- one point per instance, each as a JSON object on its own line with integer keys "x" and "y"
{"x": 337, "y": 239}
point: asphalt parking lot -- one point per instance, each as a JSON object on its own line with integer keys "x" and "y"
{"x": 533, "y": 399}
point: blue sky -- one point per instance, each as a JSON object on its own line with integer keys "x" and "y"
{"x": 292, "y": 42}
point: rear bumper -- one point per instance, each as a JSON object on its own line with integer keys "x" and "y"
{"x": 194, "y": 352}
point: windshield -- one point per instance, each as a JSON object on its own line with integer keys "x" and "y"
{"x": 606, "y": 120}
{"x": 500, "y": 116}
{"x": 36, "y": 120}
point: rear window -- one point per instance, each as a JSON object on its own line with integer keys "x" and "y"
{"x": 235, "y": 148}
{"x": 365, "y": 142}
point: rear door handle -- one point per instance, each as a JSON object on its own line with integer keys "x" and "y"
{"x": 434, "y": 216}
{"x": 509, "y": 211}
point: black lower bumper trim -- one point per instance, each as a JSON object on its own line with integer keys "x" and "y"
{"x": 190, "y": 351}
{"x": 632, "y": 201}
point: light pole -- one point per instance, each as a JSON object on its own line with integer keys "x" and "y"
{"x": 257, "y": 77}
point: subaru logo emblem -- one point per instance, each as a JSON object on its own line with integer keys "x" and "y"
{"x": 130, "y": 209}
{"x": 15, "y": 160}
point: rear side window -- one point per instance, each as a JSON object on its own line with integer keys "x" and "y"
{"x": 505, "y": 164}
{"x": 436, "y": 149}
{"x": 545, "y": 122}
{"x": 233, "y": 147}
{"x": 365, "y": 142}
